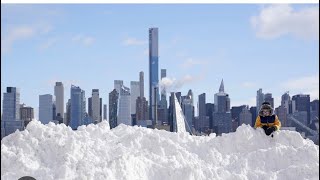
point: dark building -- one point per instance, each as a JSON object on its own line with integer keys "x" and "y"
{"x": 141, "y": 108}
{"x": 253, "y": 111}
{"x": 268, "y": 98}
{"x": 301, "y": 102}
{"x": 26, "y": 114}
{"x": 68, "y": 112}
{"x": 113, "y": 108}
{"x": 90, "y": 106}
{"x": 209, "y": 113}
{"x": 235, "y": 112}
{"x": 315, "y": 107}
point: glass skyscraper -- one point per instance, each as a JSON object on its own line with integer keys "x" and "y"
{"x": 78, "y": 107}
{"x": 153, "y": 71}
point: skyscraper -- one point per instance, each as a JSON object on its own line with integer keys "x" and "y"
{"x": 135, "y": 93}
{"x": 117, "y": 85}
{"x": 68, "y": 112}
{"x": 187, "y": 109}
{"x": 95, "y": 105}
{"x": 163, "y": 105}
{"x": 142, "y": 109}
{"x": 281, "y": 112}
{"x": 268, "y": 98}
{"x": 253, "y": 111}
{"x": 59, "y": 96}
{"x": 153, "y": 72}
{"x": 124, "y": 113}
{"x": 113, "y": 108}
{"x": 301, "y": 102}
{"x": 45, "y": 108}
{"x": 202, "y": 105}
{"x": 11, "y": 104}
{"x": 259, "y": 99}
{"x": 141, "y": 82}
{"x": 222, "y": 115}
{"x": 245, "y": 116}
{"x": 285, "y": 101}
{"x": 78, "y": 107}
{"x": 26, "y": 114}
{"x": 104, "y": 112}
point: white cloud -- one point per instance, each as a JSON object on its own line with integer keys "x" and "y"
{"x": 277, "y": 20}
{"x": 134, "y": 42}
{"x": 305, "y": 85}
{"x": 83, "y": 39}
{"x": 16, "y": 34}
{"x": 173, "y": 84}
{"x": 190, "y": 62}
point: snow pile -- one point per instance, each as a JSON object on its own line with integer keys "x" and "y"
{"x": 96, "y": 152}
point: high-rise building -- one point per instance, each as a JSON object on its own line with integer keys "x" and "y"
{"x": 202, "y": 105}
{"x": 285, "y": 101}
{"x": 59, "y": 96}
{"x": 301, "y": 102}
{"x": 235, "y": 115}
{"x": 113, "y": 108}
{"x": 124, "y": 113}
{"x": 163, "y": 104}
{"x": 253, "y": 111}
{"x": 100, "y": 109}
{"x": 187, "y": 109}
{"x": 10, "y": 121}
{"x": 95, "y": 105}
{"x": 78, "y": 107}
{"x": 209, "y": 113}
{"x": 141, "y": 82}
{"x": 268, "y": 98}
{"x": 26, "y": 114}
{"x": 46, "y": 108}
{"x": 142, "y": 109}
{"x": 135, "y": 93}
{"x": 281, "y": 112}
{"x": 105, "y": 112}
{"x": 222, "y": 114}
{"x": 68, "y": 112}
{"x": 245, "y": 116}
{"x": 90, "y": 107}
{"x": 259, "y": 99}
{"x": 11, "y": 104}
{"x": 153, "y": 72}
{"x": 117, "y": 85}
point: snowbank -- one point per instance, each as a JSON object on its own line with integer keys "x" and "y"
{"x": 96, "y": 152}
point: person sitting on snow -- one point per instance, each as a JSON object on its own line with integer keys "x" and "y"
{"x": 267, "y": 120}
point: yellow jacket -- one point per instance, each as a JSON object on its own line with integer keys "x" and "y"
{"x": 269, "y": 121}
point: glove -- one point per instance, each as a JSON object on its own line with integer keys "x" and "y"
{"x": 270, "y": 130}
{"x": 264, "y": 128}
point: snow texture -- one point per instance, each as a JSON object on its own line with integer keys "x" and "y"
{"x": 125, "y": 152}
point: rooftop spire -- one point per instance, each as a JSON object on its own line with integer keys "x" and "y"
{"x": 221, "y": 89}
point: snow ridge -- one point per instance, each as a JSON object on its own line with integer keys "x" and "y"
{"x": 125, "y": 152}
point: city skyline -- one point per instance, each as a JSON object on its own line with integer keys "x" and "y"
{"x": 185, "y": 54}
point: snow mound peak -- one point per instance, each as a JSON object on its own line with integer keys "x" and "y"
{"x": 125, "y": 152}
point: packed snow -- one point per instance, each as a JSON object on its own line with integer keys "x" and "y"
{"x": 125, "y": 152}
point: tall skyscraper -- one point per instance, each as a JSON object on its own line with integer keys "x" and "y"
{"x": 90, "y": 107}
{"x": 11, "y": 104}
{"x": 202, "y": 105}
{"x": 209, "y": 113}
{"x": 95, "y": 105}
{"x": 113, "y": 108}
{"x": 68, "y": 112}
{"x": 78, "y": 107}
{"x": 124, "y": 113}
{"x": 10, "y": 121}
{"x": 301, "y": 102}
{"x": 268, "y": 98}
{"x": 105, "y": 112}
{"x": 59, "y": 96}
{"x": 135, "y": 93}
{"x": 45, "y": 108}
{"x": 245, "y": 116}
{"x": 222, "y": 114}
{"x": 285, "y": 101}
{"x": 142, "y": 109}
{"x": 153, "y": 72}
{"x": 163, "y": 104}
{"x": 141, "y": 82}
{"x": 259, "y": 99}
{"x": 117, "y": 85}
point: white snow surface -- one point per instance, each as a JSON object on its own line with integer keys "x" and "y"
{"x": 125, "y": 152}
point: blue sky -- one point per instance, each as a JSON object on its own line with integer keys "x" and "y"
{"x": 273, "y": 47}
